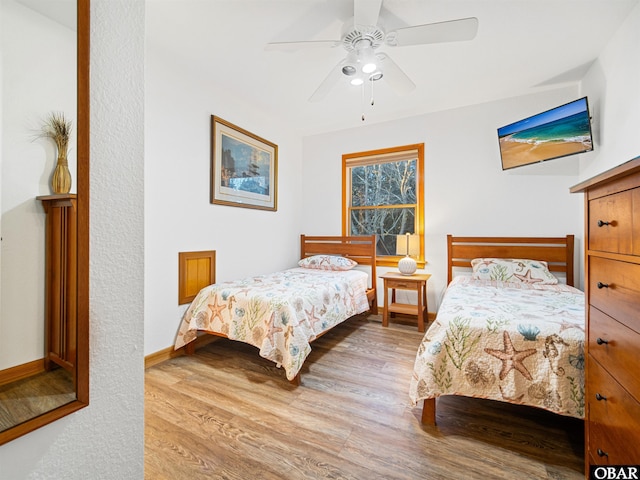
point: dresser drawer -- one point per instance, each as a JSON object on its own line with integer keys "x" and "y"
{"x": 616, "y": 348}
{"x": 614, "y": 288}
{"x": 611, "y": 223}
{"x": 614, "y": 421}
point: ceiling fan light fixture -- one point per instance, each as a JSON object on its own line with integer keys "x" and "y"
{"x": 374, "y": 77}
{"x": 369, "y": 67}
{"x": 367, "y": 58}
{"x": 356, "y": 81}
{"x": 349, "y": 70}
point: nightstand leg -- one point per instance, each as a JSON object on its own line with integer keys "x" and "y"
{"x": 393, "y": 300}
{"x": 420, "y": 311}
{"x": 426, "y": 304}
{"x": 385, "y": 311}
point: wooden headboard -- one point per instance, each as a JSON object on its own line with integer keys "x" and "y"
{"x": 197, "y": 269}
{"x": 556, "y": 251}
{"x": 361, "y": 249}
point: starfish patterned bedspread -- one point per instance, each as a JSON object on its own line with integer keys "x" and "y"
{"x": 279, "y": 313}
{"x": 512, "y": 342}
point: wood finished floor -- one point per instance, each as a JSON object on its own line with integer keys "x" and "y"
{"x": 30, "y": 397}
{"x": 227, "y": 413}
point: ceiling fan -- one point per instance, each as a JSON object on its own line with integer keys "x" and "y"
{"x": 365, "y": 34}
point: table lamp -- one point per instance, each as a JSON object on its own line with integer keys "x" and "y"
{"x": 408, "y": 245}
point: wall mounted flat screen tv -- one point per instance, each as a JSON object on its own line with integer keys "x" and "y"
{"x": 561, "y": 131}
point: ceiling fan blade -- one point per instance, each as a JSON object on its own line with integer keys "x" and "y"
{"x": 366, "y": 12}
{"x": 303, "y": 45}
{"x": 394, "y": 76}
{"x": 450, "y": 31}
{"x": 328, "y": 83}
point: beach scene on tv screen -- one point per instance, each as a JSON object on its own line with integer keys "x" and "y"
{"x": 555, "y": 133}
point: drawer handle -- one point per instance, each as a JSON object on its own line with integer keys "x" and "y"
{"x": 602, "y": 453}
{"x": 602, "y": 285}
{"x": 602, "y": 223}
{"x": 600, "y": 397}
{"x": 601, "y": 341}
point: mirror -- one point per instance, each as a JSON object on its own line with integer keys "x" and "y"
{"x": 44, "y": 295}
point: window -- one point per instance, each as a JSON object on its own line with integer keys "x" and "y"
{"x": 382, "y": 193}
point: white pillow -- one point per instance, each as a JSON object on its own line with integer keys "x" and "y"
{"x": 327, "y": 262}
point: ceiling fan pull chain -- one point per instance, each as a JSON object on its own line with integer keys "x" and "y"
{"x": 362, "y": 100}
{"x": 371, "y": 81}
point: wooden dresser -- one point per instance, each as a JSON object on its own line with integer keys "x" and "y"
{"x": 612, "y": 288}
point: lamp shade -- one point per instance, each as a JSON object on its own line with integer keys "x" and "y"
{"x": 407, "y": 244}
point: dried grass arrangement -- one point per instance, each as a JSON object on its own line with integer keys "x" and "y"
{"x": 58, "y": 128}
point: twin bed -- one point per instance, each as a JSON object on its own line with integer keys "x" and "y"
{"x": 509, "y": 331}
{"x": 283, "y": 312}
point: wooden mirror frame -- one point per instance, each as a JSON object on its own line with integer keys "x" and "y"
{"x": 82, "y": 347}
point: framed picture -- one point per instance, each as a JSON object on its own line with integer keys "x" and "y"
{"x": 244, "y": 167}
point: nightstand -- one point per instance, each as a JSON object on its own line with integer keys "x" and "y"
{"x": 416, "y": 282}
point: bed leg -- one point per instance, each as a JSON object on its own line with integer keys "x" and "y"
{"x": 296, "y": 380}
{"x": 190, "y": 348}
{"x": 429, "y": 411}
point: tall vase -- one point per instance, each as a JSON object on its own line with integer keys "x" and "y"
{"x": 61, "y": 180}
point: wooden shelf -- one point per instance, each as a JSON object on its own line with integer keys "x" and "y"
{"x": 405, "y": 309}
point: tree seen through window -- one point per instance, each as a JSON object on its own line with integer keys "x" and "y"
{"x": 383, "y": 195}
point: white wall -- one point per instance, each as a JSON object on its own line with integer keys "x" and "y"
{"x": 38, "y": 77}
{"x": 613, "y": 87}
{"x": 106, "y": 439}
{"x": 178, "y": 214}
{"x": 466, "y": 191}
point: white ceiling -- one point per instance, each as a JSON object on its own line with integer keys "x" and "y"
{"x": 522, "y": 47}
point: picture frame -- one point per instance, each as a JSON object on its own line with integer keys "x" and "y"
{"x": 244, "y": 167}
